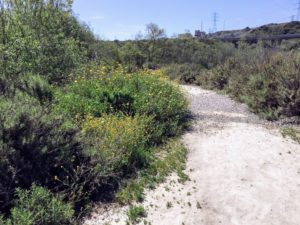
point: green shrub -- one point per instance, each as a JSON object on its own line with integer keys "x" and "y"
{"x": 99, "y": 91}
{"x": 291, "y": 132}
{"x": 269, "y": 86}
{"x": 2, "y": 221}
{"x": 260, "y": 97}
{"x": 274, "y": 89}
{"x": 39, "y": 207}
{"x": 135, "y": 213}
{"x": 37, "y": 146}
{"x": 122, "y": 116}
{"x": 218, "y": 77}
{"x": 35, "y": 86}
{"x": 117, "y": 143}
{"x": 185, "y": 73}
{"x": 31, "y": 84}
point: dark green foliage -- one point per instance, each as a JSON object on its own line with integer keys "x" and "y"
{"x": 39, "y": 207}
{"x": 185, "y": 73}
{"x": 33, "y": 85}
{"x": 37, "y": 146}
{"x": 132, "y": 56}
{"x": 159, "y": 52}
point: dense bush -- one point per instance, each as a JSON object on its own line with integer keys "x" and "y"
{"x": 269, "y": 85}
{"x": 122, "y": 116}
{"x": 39, "y": 207}
{"x": 117, "y": 143}
{"x": 42, "y": 37}
{"x": 185, "y": 73}
{"x": 37, "y": 146}
{"x": 98, "y": 92}
{"x": 274, "y": 90}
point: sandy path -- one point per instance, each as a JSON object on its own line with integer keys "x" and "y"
{"x": 242, "y": 171}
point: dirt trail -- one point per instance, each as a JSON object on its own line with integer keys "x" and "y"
{"x": 242, "y": 171}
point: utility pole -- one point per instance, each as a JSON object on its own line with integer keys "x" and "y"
{"x": 215, "y": 20}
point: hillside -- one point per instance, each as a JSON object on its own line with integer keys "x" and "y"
{"x": 265, "y": 30}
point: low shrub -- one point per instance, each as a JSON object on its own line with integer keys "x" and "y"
{"x": 291, "y": 132}
{"x": 38, "y": 146}
{"x": 124, "y": 117}
{"x": 117, "y": 143}
{"x": 166, "y": 159}
{"x": 185, "y": 73}
{"x": 31, "y": 84}
{"x": 99, "y": 90}
{"x": 39, "y": 207}
{"x": 135, "y": 213}
{"x": 269, "y": 86}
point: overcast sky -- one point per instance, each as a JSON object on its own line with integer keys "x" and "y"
{"x": 123, "y": 19}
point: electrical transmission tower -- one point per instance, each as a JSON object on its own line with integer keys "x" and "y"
{"x": 215, "y": 20}
{"x": 293, "y": 18}
{"x": 298, "y": 12}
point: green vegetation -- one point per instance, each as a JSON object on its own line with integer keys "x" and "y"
{"x": 83, "y": 119}
{"x": 169, "y": 205}
{"x": 165, "y": 160}
{"x": 292, "y": 133}
{"x": 39, "y": 206}
{"x": 263, "y": 75}
{"x": 269, "y": 86}
{"x": 135, "y": 213}
{"x": 265, "y": 30}
{"x": 73, "y": 132}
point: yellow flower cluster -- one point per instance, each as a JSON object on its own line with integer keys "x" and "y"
{"x": 115, "y": 134}
{"x": 113, "y": 73}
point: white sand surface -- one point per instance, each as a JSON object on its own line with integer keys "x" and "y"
{"x": 242, "y": 172}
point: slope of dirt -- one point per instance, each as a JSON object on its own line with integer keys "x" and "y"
{"x": 242, "y": 172}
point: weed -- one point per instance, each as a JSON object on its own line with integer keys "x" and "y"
{"x": 167, "y": 159}
{"x": 135, "y": 213}
{"x": 169, "y": 205}
{"x": 292, "y": 133}
{"x": 198, "y": 205}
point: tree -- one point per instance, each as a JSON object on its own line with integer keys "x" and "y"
{"x": 41, "y": 37}
{"x": 154, "y": 32}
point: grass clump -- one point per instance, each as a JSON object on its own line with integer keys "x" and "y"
{"x": 198, "y": 205}
{"x": 167, "y": 159}
{"x": 169, "y": 205}
{"x": 292, "y": 133}
{"x": 135, "y": 213}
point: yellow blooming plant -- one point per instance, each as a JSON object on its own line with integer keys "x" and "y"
{"x": 117, "y": 140}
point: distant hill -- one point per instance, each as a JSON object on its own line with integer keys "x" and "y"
{"x": 265, "y": 30}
